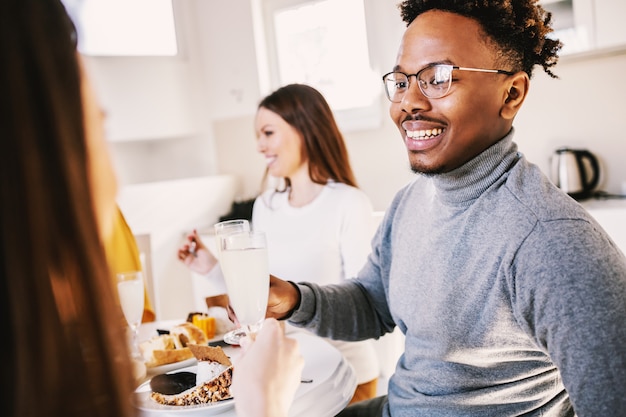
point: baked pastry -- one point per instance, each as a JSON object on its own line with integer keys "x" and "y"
{"x": 204, "y": 322}
{"x": 188, "y": 333}
{"x": 170, "y": 348}
{"x": 161, "y": 350}
{"x": 213, "y": 378}
{"x": 163, "y": 357}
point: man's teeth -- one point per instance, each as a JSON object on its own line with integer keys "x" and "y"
{"x": 423, "y": 134}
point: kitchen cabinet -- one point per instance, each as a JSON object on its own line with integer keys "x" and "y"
{"x": 588, "y": 26}
{"x": 611, "y": 214}
{"x": 145, "y": 98}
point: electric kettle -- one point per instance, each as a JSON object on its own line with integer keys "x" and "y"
{"x": 575, "y": 171}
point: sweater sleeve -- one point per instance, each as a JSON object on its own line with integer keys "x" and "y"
{"x": 338, "y": 311}
{"x": 573, "y": 303}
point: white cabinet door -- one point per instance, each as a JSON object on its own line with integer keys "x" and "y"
{"x": 610, "y": 28}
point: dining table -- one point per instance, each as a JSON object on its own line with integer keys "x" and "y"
{"x": 327, "y": 384}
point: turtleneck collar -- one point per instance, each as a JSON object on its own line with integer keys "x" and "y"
{"x": 470, "y": 180}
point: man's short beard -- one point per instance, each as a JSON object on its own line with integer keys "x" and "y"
{"x": 426, "y": 172}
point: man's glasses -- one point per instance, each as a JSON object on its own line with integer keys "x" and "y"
{"x": 434, "y": 81}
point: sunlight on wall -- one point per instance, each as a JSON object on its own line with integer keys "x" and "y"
{"x": 124, "y": 27}
{"x": 315, "y": 46}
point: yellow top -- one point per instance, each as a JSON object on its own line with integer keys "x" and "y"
{"x": 123, "y": 255}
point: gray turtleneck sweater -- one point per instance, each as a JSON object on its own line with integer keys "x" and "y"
{"x": 511, "y": 297}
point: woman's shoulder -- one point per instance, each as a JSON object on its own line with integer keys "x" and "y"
{"x": 343, "y": 188}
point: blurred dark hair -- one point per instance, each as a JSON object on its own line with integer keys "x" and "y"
{"x": 65, "y": 348}
{"x": 306, "y": 110}
{"x": 519, "y": 28}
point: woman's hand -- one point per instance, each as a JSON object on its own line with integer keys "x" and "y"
{"x": 267, "y": 374}
{"x": 196, "y": 255}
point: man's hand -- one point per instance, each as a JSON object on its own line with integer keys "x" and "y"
{"x": 284, "y": 298}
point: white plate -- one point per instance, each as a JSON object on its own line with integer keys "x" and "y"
{"x": 168, "y": 367}
{"x": 149, "y": 407}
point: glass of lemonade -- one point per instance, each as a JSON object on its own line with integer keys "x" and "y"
{"x": 222, "y": 229}
{"x": 227, "y": 227}
{"x": 130, "y": 287}
{"x": 245, "y": 266}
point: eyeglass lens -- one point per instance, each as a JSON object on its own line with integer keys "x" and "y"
{"x": 434, "y": 82}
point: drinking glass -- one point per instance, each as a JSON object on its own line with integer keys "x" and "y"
{"x": 246, "y": 273}
{"x": 229, "y": 226}
{"x": 131, "y": 293}
{"x": 222, "y": 229}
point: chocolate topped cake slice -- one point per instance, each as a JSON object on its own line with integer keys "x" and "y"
{"x": 212, "y": 384}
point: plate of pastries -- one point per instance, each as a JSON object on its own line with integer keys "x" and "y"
{"x": 165, "y": 345}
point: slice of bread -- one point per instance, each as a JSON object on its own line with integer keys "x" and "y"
{"x": 161, "y": 343}
{"x": 173, "y": 347}
{"x": 163, "y": 357}
{"x": 188, "y": 333}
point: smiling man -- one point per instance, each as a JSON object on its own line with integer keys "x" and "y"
{"x": 449, "y": 114}
{"x": 511, "y": 297}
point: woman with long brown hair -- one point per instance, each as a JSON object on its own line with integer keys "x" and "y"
{"x": 318, "y": 223}
{"x": 64, "y": 332}
{"x": 66, "y": 352}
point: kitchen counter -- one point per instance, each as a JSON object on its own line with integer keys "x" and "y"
{"x": 611, "y": 214}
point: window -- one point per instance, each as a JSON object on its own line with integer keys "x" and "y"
{"x": 324, "y": 44}
{"x": 124, "y": 27}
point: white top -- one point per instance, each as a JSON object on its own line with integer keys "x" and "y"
{"x": 324, "y": 242}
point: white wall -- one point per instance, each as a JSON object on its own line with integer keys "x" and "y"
{"x": 584, "y": 108}
{"x": 204, "y": 117}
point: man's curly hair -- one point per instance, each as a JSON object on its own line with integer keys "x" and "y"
{"x": 517, "y": 27}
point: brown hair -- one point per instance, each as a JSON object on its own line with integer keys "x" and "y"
{"x": 66, "y": 349}
{"x": 307, "y": 111}
{"x": 519, "y": 28}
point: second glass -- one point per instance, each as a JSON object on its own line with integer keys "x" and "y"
{"x": 130, "y": 287}
{"x": 245, "y": 266}
{"x": 227, "y": 227}
{"x": 222, "y": 229}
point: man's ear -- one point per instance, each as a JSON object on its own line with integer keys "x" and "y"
{"x": 516, "y": 90}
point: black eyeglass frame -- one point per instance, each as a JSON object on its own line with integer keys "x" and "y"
{"x": 424, "y": 85}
